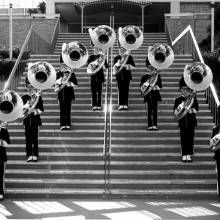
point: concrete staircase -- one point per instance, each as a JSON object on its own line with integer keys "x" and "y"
{"x": 143, "y": 163}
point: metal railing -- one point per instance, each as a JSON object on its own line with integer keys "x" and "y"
{"x": 107, "y": 129}
{"x": 55, "y": 33}
{"x": 13, "y": 84}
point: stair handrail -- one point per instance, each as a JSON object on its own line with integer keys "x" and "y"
{"x": 210, "y": 93}
{"x": 19, "y": 58}
{"x": 107, "y": 129}
{"x": 55, "y": 32}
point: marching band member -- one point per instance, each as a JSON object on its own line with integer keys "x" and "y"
{"x": 216, "y": 131}
{"x": 4, "y": 141}
{"x": 31, "y": 123}
{"x": 123, "y": 78}
{"x": 96, "y": 80}
{"x": 187, "y": 123}
{"x": 153, "y": 97}
{"x": 65, "y": 95}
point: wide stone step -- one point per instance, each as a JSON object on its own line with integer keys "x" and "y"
{"x": 115, "y": 184}
{"x": 115, "y": 174}
{"x": 115, "y": 193}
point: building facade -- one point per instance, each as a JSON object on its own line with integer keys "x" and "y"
{"x": 79, "y": 15}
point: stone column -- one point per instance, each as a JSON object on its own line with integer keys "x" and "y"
{"x": 142, "y": 17}
{"x": 174, "y": 7}
{"x": 82, "y": 17}
{"x": 50, "y": 7}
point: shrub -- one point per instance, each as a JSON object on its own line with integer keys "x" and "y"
{"x": 212, "y": 59}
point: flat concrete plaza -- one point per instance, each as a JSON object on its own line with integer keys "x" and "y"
{"x": 58, "y": 209}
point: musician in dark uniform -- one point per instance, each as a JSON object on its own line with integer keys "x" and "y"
{"x": 123, "y": 78}
{"x": 65, "y": 96}
{"x": 96, "y": 80}
{"x": 187, "y": 123}
{"x": 4, "y": 141}
{"x": 215, "y": 131}
{"x": 153, "y": 97}
{"x": 31, "y": 124}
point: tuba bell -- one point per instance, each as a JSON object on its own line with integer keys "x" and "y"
{"x": 11, "y": 105}
{"x": 160, "y": 56}
{"x": 41, "y": 75}
{"x": 198, "y": 76}
{"x": 130, "y": 37}
{"x": 103, "y": 36}
{"x": 74, "y": 54}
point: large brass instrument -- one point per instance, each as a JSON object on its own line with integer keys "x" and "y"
{"x": 160, "y": 56}
{"x": 97, "y": 64}
{"x": 147, "y": 86}
{"x": 198, "y": 76}
{"x": 215, "y": 143}
{"x": 11, "y": 105}
{"x": 185, "y": 106}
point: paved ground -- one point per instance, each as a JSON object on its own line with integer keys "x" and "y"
{"x": 57, "y": 209}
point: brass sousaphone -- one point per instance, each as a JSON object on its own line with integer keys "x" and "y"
{"x": 197, "y": 76}
{"x": 130, "y": 38}
{"x": 160, "y": 56}
{"x": 74, "y": 55}
{"x": 102, "y": 37}
{"x": 215, "y": 143}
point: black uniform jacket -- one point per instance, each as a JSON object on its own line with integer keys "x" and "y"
{"x": 99, "y": 76}
{"x": 4, "y": 135}
{"x": 188, "y": 119}
{"x": 33, "y": 119}
{"x": 153, "y": 94}
{"x": 67, "y": 92}
{"x": 215, "y": 131}
{"x": 124, "y": 74}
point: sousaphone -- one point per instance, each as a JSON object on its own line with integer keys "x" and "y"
{"x": 103, "y": 37}
{"x": 11, "y": 105}
{"x": 160, "y": 56}
{"x": 74, "y": 55}
{"x": 41, "y": 75}
{"x": 198, "y": 76}
{"x": 215, "y": 143}
{"x": 130, "y": 37}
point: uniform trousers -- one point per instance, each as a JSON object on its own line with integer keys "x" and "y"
{"x": 123, "y": 90}
{"x": 187, "y": 139}
{"x": 218, "y": 174}
{"x": 65, "y": 112}
{"x": 31, "y": 133}
{"x": 152, "y": 113}
{"x": 2, "y": 169}
{"x": 96, "y": 94}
